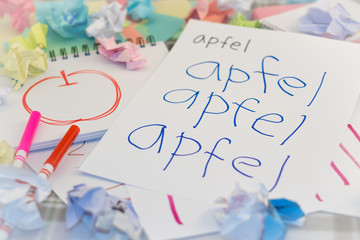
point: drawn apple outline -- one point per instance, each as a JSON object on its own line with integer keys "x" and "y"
{"x": 68, "y": 84}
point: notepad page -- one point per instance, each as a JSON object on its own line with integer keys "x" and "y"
{"x": 88, "y": 91}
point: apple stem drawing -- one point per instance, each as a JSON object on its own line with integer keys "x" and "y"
{"x": 65, "y": 79}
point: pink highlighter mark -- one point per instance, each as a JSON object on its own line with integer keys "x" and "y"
{"x": 173, "y": 209}
{"x": 318, "y": 197}
{"x": 354, "y": 132}
{"x": 346, "y": 182}
{"x": 349, "y": 155}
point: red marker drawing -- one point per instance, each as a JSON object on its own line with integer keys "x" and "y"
{"x": 60, "y": 150}
{"x": 22, "y": 150}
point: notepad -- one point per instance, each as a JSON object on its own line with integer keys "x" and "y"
{"x": 288, "y": 21}
{"x": 233, "y": 104}
{"x": 87, "y": 90}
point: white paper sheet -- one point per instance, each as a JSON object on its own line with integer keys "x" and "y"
{"x": 235, "y": 104}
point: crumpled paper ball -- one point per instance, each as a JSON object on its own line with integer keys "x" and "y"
{"x": 69, "y": 21}
{"x": 35, "y": 37}
{"x": 120, "y": 220}
{"x": 20, "y": 193}
{"x": 240, "y": 20}
{"x": 332, "y": 22}
{"x": 108, "y": 21}
{"x": 243, "y": 213}
{"x": 105, "y": 215}
{"x": 126, "y": 52}
{"x": 139, "y": 9}
{"x": 17, "y": 182}
{"x": 248, "y": 213}
{"x": 7, "y": 152}
{"x": 19, "y": 12}
{"x": 19, "y": 63}
{"x": 209, "y": 11}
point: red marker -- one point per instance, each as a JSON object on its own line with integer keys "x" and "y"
{"x": 56, "y": 156}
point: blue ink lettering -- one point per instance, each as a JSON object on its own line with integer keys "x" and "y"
{"x": 193, "y": 95}
{"x": 263, "y": 73}
{"x": 245, "y": 163}
{"x": 215, "y": 68}
{"x": 212, "y": 154}
{"x": 284, "y": 80}
{"x": 247, "y": 77}
{"x": 262, "y": 118}
{"x": 281, "y": 170}
{"x": 241, "y": 106}
{"x": 297, "y": 128}
{"x": 175, "y": 153}
{"x": 317, "y": 91}
{"x": 160, "y": 136}
{"x": 207, "y": 105}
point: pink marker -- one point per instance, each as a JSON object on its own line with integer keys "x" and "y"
{"x": 24, "y": 147}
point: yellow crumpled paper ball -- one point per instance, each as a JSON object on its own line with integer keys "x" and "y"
{"x": 19, "y": 63}
{"x": 35, "y": 37}
{"x": 7, "y": 153}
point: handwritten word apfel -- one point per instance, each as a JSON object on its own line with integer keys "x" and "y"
{"x": 158, "y": 132}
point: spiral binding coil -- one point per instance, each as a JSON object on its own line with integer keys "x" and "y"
{"x": 86, "y": 49}
{"x": 268, "y": 25}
